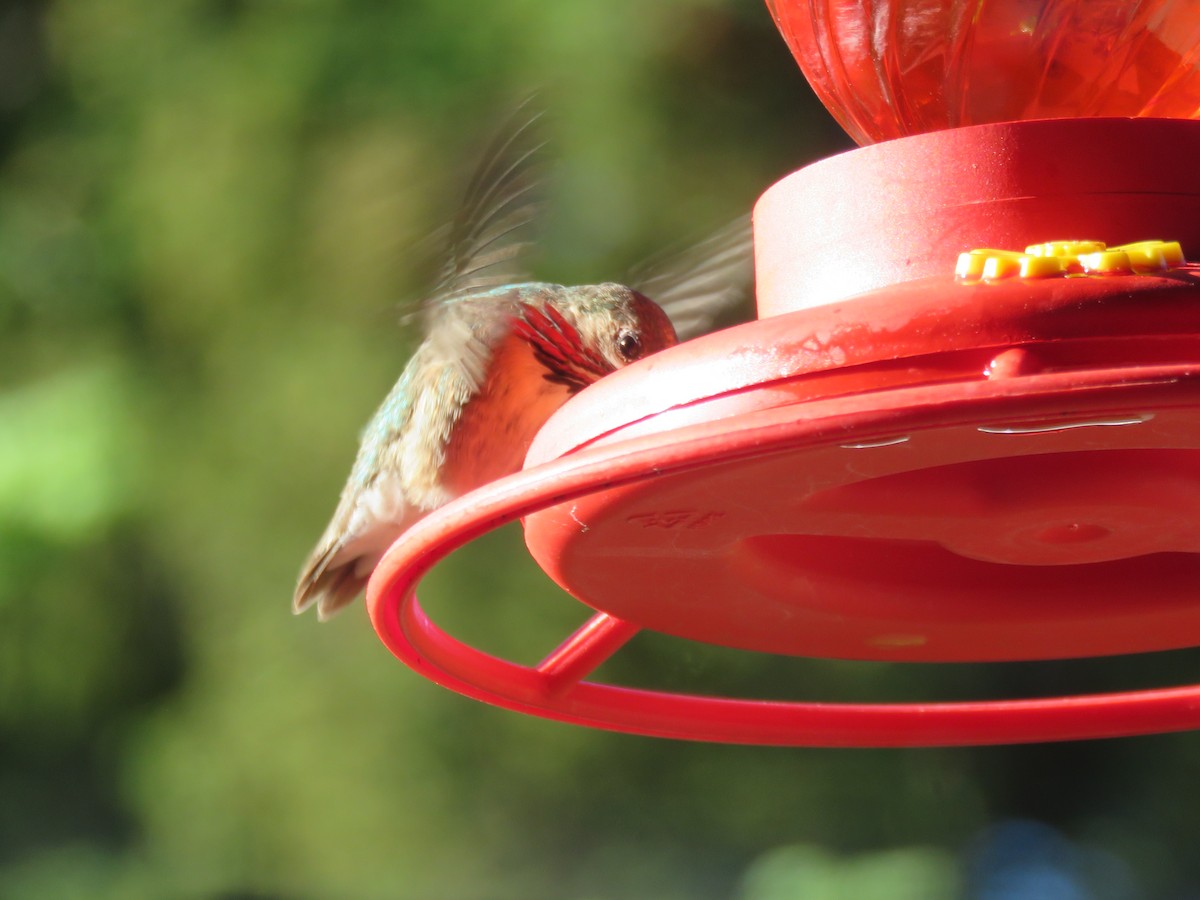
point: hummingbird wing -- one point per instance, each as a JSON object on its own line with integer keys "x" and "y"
{"x": 370, "y": 514}
{"x": 394, "y": 482}
{"x": 701, "y": 283}
{"x": 395, "y": 479}
{"x": 491, "y": 233}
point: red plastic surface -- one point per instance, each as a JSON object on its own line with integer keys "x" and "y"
{"x": 929, "y": 471}
{"x": 1012, "y": 496}
{"x": 904, "y": 210}
{"x": 556, "y": 688}
{"x": 1060, "y": 413}
{"x": 891, "y": 68}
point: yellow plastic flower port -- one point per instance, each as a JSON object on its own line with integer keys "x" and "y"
{"x": 995, "y": 265}
{"x": 1061, "y": 258}
{"x": 1153, "y": 256}
{"x": 1106, "y": 262}
{"x": 1064, "y": 248}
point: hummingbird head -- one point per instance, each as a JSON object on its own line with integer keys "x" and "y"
{"x": 582, "y": 333}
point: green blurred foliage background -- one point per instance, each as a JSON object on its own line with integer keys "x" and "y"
{"x": 208, "y": 215}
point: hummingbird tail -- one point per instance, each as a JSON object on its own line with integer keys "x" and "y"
{"x": 330, "y": 587}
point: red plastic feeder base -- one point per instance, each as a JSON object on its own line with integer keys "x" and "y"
{"x": 910, "y": 470}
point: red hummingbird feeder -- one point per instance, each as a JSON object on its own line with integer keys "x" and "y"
{"x": 924, "y": 450}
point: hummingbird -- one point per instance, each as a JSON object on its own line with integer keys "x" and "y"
{"x": 499, "y": 356}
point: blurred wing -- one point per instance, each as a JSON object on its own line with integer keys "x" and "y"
{"x": 493, "y": 228}
{"x": 704, "y": 282}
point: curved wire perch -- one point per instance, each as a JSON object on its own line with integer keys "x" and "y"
{"x": 556, "y": 690}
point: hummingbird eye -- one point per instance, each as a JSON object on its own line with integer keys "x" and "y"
{"x": 629, "y": 345}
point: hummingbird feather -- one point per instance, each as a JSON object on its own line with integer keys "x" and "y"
{"x": 491, "y": 233}
{"x": 395, "y": 478}
{"x": 703, "y": 282}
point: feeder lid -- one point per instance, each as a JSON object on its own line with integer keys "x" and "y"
{"x": 986, "y": 471}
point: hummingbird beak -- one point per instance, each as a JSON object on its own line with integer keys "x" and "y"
{"x": 559, "y": 347}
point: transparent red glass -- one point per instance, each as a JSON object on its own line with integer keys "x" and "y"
{"x": 889, "y": 68}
